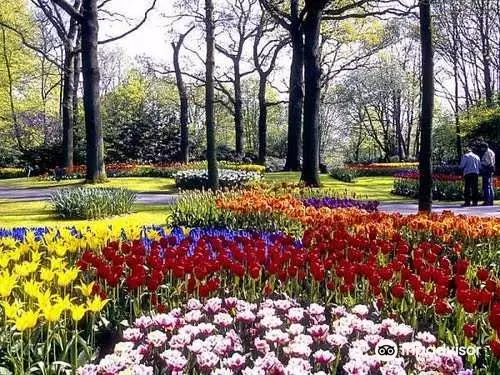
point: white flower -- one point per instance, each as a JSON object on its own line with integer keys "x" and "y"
{"x": 245, "y": 316}
{"x": 426, "y": 338}
{"x": 223, "y": 320}
{"x": 207, "y": 360}
{"x": 360, "y": 310}
{"x": 194, "y": 304}
{"x": 323, "y": 356}
{"x": 271, "y": 321}
{"x": 156, "y": 338}
{"x": 315, "y": 309}
{"x": 132, "y": 334}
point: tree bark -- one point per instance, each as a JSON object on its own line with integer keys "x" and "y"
{"x": 312, "y": 77}
{"x": 15, "y": 122}
{"x": 296, "y": 96}
{"x": 213, "y": 176}
{"x": 91, "y": 99}
{"x": 238, "y": 109}
{"x": 425, "y": 156}
{"x": 183, "y": 99}
{"x": 262, "y": 119}
{"x": 68, "y": 108}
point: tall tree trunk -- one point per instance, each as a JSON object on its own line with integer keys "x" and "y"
{"x": 67, "y": 107}
{"x": 15, "y": 122}
{"x": 262, "y": 119}
{"x": 213, "y": 175}
{"x": 183, "y": 99}
{"x": 77, "y": 68}
{"x": 312, "y": 76}
{"x": 91, "y": 100}
{"x": 238, "y": 110}
{"x": 296, "y": 96}
{"x": 485, "y": 51}
{"x": 425, "y": 162}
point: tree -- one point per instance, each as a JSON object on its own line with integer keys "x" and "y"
{"x": 291, "y": 21}
{"x": 236, "y": 22}
{"x": 183, "y": 97}
{"x": 264, "y": 59}
{"x": 425, "y": 157}
{"x": 213, "y": 175}
{"x": 88, "y": 20}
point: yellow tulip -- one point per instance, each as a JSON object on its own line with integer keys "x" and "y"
{"x": 52, "y": 312}
{"x": 27, "y": 320}
{"x": 8, "y": 242}
{"x": 66, "y": 302}
{"x": 26, "y": 268}
{"x": 57, "y": 263}
{"x": 7, "y": 283}
{"x": 64, "y": 278}
{"x": 11, "y": 310}
{"x": 86, "y": 289}
{"x": 45, "y": 299}
{"x": 77, "y": 312}
{"x": 32, "y": 288}
{"x": 46, "y": 274}
{"x": 96, "y": 304}
{"x": 4, "y": 260}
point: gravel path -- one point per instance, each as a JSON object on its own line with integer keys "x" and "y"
{"x": 162, "y": 198}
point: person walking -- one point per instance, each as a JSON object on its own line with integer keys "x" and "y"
{"x": 470, "y": 164}
{"x": 487, "y": 171}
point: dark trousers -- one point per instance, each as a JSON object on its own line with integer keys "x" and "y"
{"x": 489, "y": 192}
{"x": 471, "y": 190}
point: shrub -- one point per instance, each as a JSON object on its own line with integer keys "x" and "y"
{"x": 345, "y": 175}
{"x": 198, "y": 179}
{"x": 92, "y": 203}
{"x": 275, "y": 164}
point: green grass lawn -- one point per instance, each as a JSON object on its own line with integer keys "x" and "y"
{"x": 15, "y": 213}
{"x": 378, "y": 188}
{"x": 36, "y": 212}
{"x": 138, "y": 184}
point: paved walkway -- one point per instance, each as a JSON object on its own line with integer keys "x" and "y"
{"x": 38, "y": 194}
{"x": 412, "y": 207}
{"x": 405, "y": 207}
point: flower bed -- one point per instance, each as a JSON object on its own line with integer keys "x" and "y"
{"x": 380, "y": 169}
{"x": 12, "y": 173}
{"x": 167, "y": 170}
{"x": 198, "y": 179}
{"x": 232, "y": 336}
{"x": 445, "y": 186}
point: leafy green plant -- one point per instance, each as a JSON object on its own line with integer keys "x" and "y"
{"x": 91, "y": 202}
{"x": 343, "y": 174}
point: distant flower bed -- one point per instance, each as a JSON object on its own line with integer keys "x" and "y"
{"x": 341, "y": 203}
{"x": 232, "y": 336}
{"x": 166, "y": 170}
{"x": 12, "y": 173}
{"x": 198, "y": 179}
{"x": 445, "y": 186}
{"x": 379, "y": 169}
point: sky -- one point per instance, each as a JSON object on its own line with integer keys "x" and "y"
{"x": 151, "y": 39}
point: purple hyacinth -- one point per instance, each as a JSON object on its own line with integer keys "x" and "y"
{"x": 330, "y": 202}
